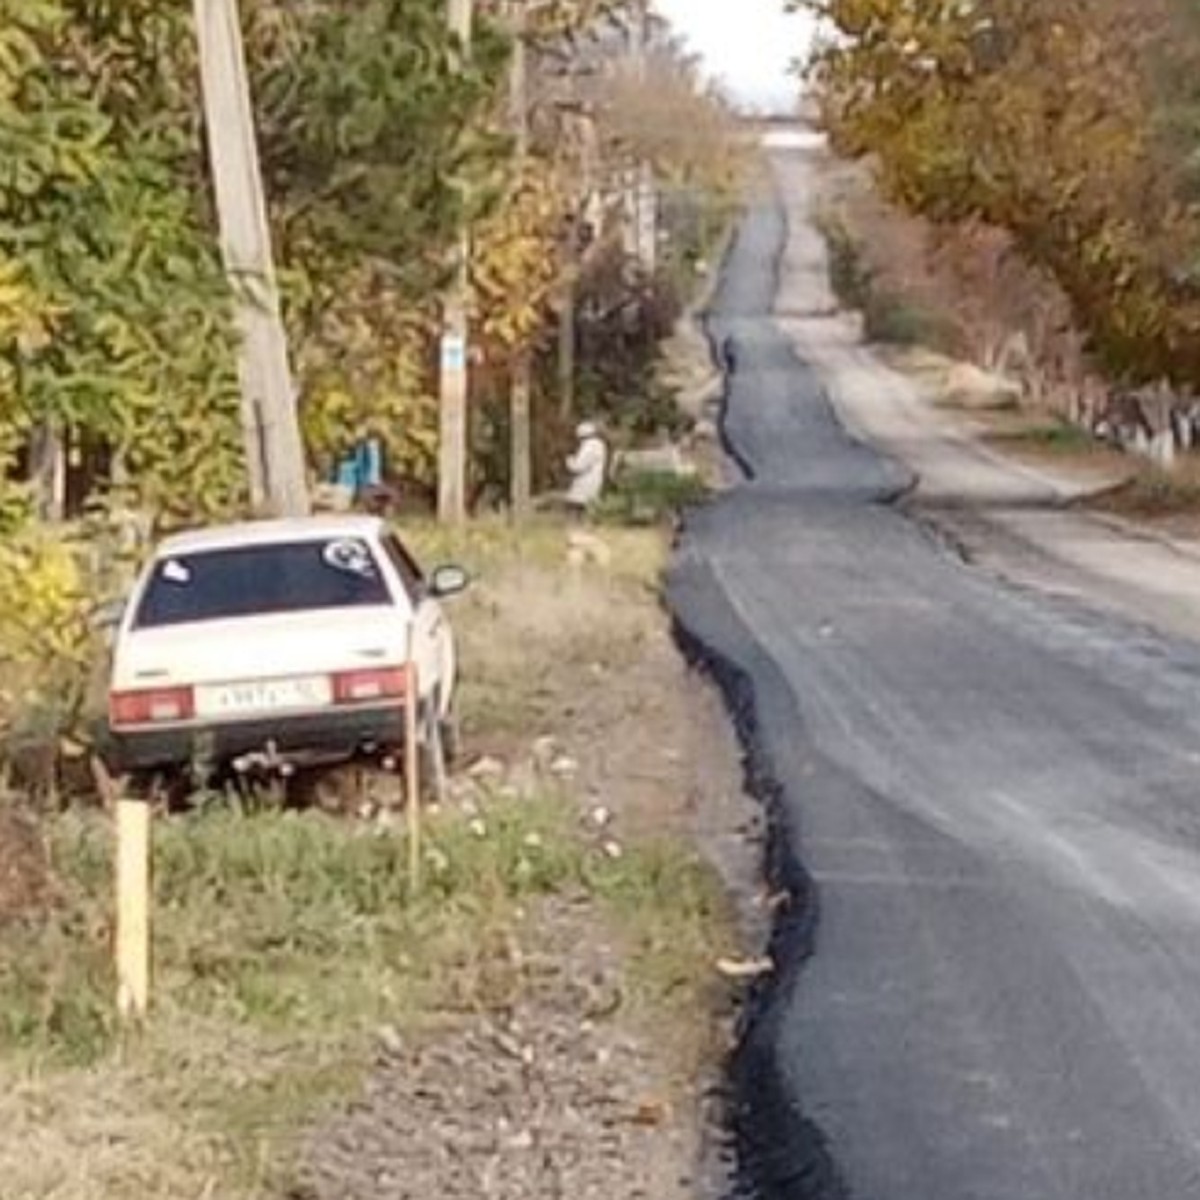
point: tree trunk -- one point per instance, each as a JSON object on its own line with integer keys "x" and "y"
{"x": 567, "y": 341}
{"x": 520, "y": 416}
{"x": 48, "y": 472}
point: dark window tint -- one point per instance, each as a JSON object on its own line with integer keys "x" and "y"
{"x": 406, "y": 567}
{"x": 252, "y": 580}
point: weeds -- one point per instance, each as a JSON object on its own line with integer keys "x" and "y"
{"x": 1055, "y": 437}
{"x": 262, "y": 918}
{"x": 282, "y": 943}
{"x": 650, "y": 498}
{"x": 1154, "y": 493}
{"x": 888, "y": 316}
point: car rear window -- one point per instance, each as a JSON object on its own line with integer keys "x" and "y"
{"x": 247, "y": 581}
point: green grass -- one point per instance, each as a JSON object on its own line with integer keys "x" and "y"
{"x": 896, "y": 321}
{"x": 282, "y": 943}
{"x": 849, "y": 275}
{"x": 889, "y": 318}
{"x": 647, "y": 498}
{"x": 304, "y": 924}
{"x": 1053, "y": 437}
{"x": 263, "y": 918}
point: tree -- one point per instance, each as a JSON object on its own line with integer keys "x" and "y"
{"x": 125, "y": 334}
{"x": 1042, "y": 120}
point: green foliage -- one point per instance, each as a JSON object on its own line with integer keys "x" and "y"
{"x": 849, "y": 275}
{"x": 117, "y": 322}
{"x": 650, "y": 497}
{"x": 1054, "y": 437}
{"x": 263, "y": 917}
{"x": 1046, "y": 121}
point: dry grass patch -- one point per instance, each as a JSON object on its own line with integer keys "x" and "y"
{"x": 534, "y": 631}
{"x": 1168, "y": 500}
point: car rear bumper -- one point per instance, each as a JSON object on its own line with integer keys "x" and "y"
{"x": 308, "y": 738}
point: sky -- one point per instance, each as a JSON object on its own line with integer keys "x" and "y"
{"x": 747, "y": 44}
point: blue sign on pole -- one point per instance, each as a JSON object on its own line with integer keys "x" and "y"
{"x": 454, "y": 352}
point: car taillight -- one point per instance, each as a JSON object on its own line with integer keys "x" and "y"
{"x": 151, "y": 706}
{"x": 360, "y": 687}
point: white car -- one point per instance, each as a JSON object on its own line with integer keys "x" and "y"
{"x": 278, "y": 644}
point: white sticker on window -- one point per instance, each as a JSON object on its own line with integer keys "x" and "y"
{"x": 350, "y": 555}
{"x": 176, "y": 572}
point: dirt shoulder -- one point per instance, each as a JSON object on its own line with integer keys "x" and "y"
{"x": 543, "y": 1018}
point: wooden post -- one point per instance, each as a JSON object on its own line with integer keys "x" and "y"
{"x": 133, "y": 908}
{"x": 412, "y": 777}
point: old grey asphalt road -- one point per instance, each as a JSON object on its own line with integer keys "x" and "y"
{"x": 998, "y": 796}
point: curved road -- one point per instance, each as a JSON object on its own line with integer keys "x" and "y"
{"x": 997, "y": 795}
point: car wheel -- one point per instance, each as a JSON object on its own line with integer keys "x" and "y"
{"x": 433, "y": 753}
{"x": 451, "y": 729}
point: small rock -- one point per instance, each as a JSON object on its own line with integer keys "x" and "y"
{"x": 564, "y": 765}
{"x": 613, "y": 850}
{"x": 390, "y": 1040}
{"x": 600, "y": 816}
{"x": 508, "y": 1045}
{"x": 521, "y": 1141}
{"x": 478, "y": 827}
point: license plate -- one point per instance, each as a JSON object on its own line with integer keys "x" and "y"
{"x": 264, "y": 695}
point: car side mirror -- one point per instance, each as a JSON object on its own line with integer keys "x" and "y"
{"x": 448, "y": 581}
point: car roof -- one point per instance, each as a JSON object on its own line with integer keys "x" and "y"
{"x": 265, "y": 533}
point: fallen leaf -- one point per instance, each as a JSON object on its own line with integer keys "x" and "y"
{"x": 745, "y": 968}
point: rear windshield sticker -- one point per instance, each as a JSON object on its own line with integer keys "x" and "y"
{"x": 175, "y": 572}
{"x": 349, "y": 555}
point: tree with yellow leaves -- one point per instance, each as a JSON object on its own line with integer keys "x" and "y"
{"x": 1044, "y": 120}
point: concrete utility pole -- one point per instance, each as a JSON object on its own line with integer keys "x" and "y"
{"x": 644, "y": 196}
{"x": 584, "y": 217}
{"x": 454, "y": 365}
{"x": 270, "y": 424}
{"x": 521, "y": 371}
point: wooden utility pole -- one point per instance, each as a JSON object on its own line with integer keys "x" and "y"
{"x": 521, "y": 370}
{"x": 454, "y": 358}
{"x": 270, "y": 424}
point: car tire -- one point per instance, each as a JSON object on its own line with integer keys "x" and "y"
{"x": 451, "y": 735}
{"x": 433, "y": 752}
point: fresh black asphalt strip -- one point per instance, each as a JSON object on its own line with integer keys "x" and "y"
{"x": 983, "y": 809}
